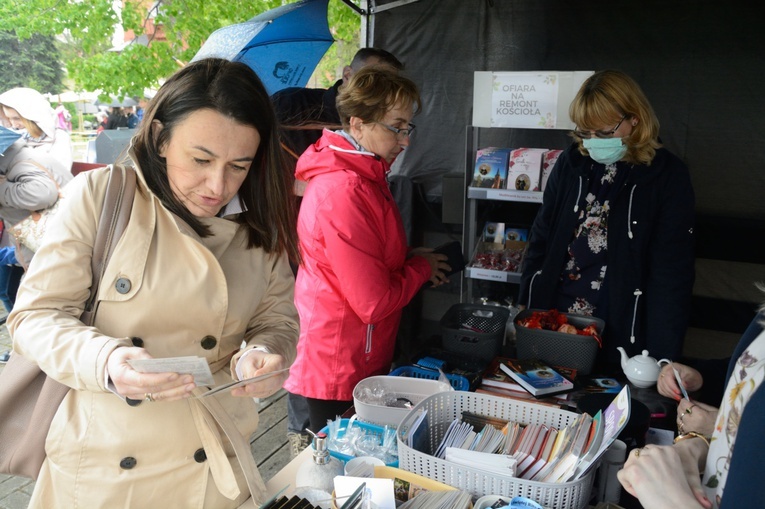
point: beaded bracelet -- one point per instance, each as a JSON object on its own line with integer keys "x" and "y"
{"x": 692, "y": 434}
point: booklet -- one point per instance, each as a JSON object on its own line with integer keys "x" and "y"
{"x": 198, "y": 368}
{"x": 191, "y": 365}
{"x": 614, "y": 419}
{"x": 537, "y": 377}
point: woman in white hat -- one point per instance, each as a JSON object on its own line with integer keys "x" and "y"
{"x": 27, "y": 109}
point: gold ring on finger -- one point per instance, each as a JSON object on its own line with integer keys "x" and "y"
{"x": 148, "y": 397}
{"x": 637, "y": 453}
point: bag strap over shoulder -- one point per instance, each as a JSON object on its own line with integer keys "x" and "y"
{"x": 115, "y": 214}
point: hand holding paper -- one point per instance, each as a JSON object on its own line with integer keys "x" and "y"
{"x": 255, "y": 364}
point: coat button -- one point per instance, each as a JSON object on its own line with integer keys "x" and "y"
{"x": 137, "y": 342}
{"x": 209, "y": 342}
{"x": 200, "y": 456}
{"x": 127, "y": 463}
{"x": 122, "y": 285}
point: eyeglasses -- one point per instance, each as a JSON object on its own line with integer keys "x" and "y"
{"x": 585, "y": 135}
{"x": 400, "y": 133}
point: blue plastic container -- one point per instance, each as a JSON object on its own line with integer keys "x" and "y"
{"x": 459, "y": 382}
{"x": 369, "y": 429}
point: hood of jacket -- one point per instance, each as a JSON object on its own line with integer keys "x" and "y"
{"x": 334, "y": 152}
{"x": 31, "y": 105}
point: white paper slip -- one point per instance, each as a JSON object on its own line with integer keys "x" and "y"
{"x": 680, "y": 383}
{"x": 239, "y": 383}
{"x": 195, "y": 366}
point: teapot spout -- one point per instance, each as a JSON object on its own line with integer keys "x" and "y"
{"x": 624, "y": 357}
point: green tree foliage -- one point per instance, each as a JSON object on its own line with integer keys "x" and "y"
{"x": 32, "y": 62}
{"x": 89, "y": 25}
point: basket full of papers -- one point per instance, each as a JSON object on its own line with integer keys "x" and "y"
{"x": 420, "y": 438}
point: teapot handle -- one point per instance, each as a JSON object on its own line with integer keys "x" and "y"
{"x": 663, "y": 361}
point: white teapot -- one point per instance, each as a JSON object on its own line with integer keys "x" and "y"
{"x": 641, "y": 370}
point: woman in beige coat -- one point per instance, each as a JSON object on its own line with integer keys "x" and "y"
{"x": 201, "y": 269}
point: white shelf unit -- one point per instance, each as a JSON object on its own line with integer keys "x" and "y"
{"x": 513, "y": 103}
{"x": 551, "y": 138}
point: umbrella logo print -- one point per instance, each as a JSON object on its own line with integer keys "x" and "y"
{"x": 282, "y": 72}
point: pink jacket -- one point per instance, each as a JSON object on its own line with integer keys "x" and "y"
{"x": 355, "y": 277}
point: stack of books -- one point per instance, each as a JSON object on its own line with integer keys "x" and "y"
{"x": 508, "y": 378}
{"x": 496, "y": 381}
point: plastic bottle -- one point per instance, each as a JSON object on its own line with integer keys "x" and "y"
{"x": 321, "y": 471}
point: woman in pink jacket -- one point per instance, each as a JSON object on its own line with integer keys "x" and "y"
{"x": 357, "y": 273}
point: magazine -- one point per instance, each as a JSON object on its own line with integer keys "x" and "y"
{"x": 494, "y": 376}
{"x": 537, "y": 377}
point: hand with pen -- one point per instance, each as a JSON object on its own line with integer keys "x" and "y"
{"x": 691, "y": 415}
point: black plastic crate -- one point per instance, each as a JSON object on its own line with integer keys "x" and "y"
{"x": 559, "y": 348}
{"x": 475, "y": 330}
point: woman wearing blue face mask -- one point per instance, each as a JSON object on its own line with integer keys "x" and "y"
{"x": 614, "y": 235}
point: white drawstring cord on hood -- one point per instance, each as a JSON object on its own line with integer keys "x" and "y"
{"x": 637, "y": 293}
{"x": 578, "y": 195}
{"x": 629, "y": 213}
{"x": 531, "y": 286}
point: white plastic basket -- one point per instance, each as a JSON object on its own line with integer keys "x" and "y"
{"x": 415, "y": 390}
{"x": 444, "y": 407}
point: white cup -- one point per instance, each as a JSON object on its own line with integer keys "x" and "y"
{"x": 363, "y": 464}
{"x": 609, "y": 488}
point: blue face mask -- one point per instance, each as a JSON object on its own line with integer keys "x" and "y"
{"x": 605, "y": 150}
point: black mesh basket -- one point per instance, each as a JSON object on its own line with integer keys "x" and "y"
{"x": 559, "y": 348}
{"x": 475, "y": 330}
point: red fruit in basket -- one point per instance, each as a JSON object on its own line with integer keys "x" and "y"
{"x": 591, "y": 330}
{"x": 532, "y": 322}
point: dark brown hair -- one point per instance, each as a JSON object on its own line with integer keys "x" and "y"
{"x": 235, "y": 91}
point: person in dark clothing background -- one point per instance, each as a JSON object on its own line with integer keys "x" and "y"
{"x": 117, "y": 119}
{"x": 303, "y": 114}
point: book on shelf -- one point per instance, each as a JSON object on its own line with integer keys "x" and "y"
{"x": 494, "y": 376}
{"x": 537, "y": 377}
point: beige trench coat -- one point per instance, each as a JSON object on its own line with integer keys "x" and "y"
{"x": 186, "y": 296}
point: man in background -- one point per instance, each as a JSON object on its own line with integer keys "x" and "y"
{"x": 303, "y": 113}
{"x": 132, "y": 119}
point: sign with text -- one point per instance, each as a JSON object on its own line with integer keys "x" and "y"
{"x": 524, "y": 100}
{"x": 530, "y": 100}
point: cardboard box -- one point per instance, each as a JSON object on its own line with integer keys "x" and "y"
{"x": 524, "y": 169}
{"x": 491, "y": 168}
{"x": 548, "y": 161}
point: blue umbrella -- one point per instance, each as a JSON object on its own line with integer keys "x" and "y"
{"x": 283, "y": 45}
{"x": 7, "y": 138}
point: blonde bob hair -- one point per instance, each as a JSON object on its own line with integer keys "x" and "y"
{"x": 374, "y": 90}
{"x": 604, "y": 99}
